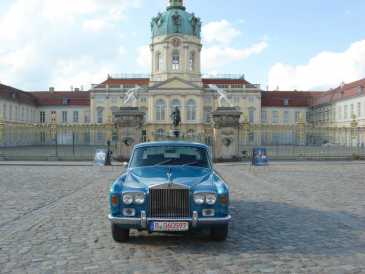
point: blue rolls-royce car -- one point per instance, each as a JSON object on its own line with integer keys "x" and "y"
{"x": 169, "y": 187}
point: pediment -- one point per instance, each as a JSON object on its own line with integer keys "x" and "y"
{"x": 175, "y": 84}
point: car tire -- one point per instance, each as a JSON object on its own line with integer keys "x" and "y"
{"x": 219, "y": 233}
{"x": 120, "y": 235}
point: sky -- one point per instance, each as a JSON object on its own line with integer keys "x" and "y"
{"x": 286, "y": 45}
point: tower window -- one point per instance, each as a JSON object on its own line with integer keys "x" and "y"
{"x": 175, "y": 60}
{"x": 158, "y": 62}
{"x": 192, "y": 61}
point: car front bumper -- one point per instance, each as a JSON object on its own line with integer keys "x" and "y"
{"x": 194, "y": 221}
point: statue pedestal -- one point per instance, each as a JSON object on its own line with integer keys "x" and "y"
{"x": 226, "y": 133}
{"x": 128, "y": 121}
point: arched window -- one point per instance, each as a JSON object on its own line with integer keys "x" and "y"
{"x": 114, "y": 109}
{"x": 192, "y": 61}
{"x": 191, "y": 110}
{"x": 160, "y": 110}
{"x": 175, "y": 60}
{"x": 99, "y": 115}
{"x": 175, "y": 103}
{"x": 158, "y": 61}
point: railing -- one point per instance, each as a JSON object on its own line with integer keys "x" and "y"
{"x": 224, "y": 76}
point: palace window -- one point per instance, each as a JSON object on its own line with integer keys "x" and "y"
{"x": 99, "y": 115}
{"x": 352, "y": 110}
{"x": 53, "y": 116}
{"x": 160, "y": 110}
{"x": 346, "y": 112}
{"x": 175, "y": 60}
{"x": 192, "y": 61}
{"x": 191, "y": 110}
{"x": 175, "y": 103}
{"x": 158, "y": 61}
{"x": 297, "y": 116}
{"x": 42, "y": 118}
{"x": 251, "y": 115}
{"x": 76, "y": 117}
{"x": 64, "y": 116}
{"x": 275, "y": 117}
{"x": 286, "y": 117}
{"x": 160, "y": 132}
{"x": 358, "y": 109}
{"x": 264, "y": 116}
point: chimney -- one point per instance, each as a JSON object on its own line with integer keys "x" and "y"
{"x": 77, "y": 90}
{"x": 51, "y": 89}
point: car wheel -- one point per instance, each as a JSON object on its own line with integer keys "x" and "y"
{"x": 119, "y": 234}
{"x": 219, "y": 233}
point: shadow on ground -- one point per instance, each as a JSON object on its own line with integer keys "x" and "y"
{"x": 268, "y": 227}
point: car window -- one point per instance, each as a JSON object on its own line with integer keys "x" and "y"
{"x": 170, "y": 155}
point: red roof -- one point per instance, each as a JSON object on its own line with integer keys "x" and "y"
{"x": 124, "y": 81}
{"x": 17, "y": 95}
{"x": 346, "y": 91}
{"x": 146, "y": 81}
{"x": 60, "y": 98}
{"x": 293, "y": 98}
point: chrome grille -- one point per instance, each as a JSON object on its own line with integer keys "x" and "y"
{"x": 169, "y": 203}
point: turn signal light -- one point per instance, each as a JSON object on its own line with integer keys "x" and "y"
{"x": 224, "y": 199}
{"x": 114, "y": 200}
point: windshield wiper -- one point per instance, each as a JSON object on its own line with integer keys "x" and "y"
{"x": 163, "y": 162}
{"x": 190, "y": 164}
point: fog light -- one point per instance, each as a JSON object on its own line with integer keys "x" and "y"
{"x": 114, "y": 200}
{"x": 129, "y": 212}
{"x": 208, "y": 212}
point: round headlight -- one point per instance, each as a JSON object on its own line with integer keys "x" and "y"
{"x": 210, "y": 198}
{"x": 128, "y": 199}
{"x": 139, "y": 198}
{"x": 199, "y": 198}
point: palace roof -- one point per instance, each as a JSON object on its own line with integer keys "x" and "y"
{"x": 13, "y": 94}
{"x": 287, "y": 98}
{"x": 62, "y": 98}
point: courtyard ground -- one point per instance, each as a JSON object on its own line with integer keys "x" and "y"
{"x": 291, "y": 217}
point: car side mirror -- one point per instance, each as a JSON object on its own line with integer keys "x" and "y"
{"x": 125, "y": 164}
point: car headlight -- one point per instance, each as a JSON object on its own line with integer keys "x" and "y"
{"x": 139, "y": 198}
{"x": 210, "y": 198}
{"x": 199, "y": 198}
{"x": 127, "y": 199}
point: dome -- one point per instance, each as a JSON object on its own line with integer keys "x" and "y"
{"x": 176, "y": 20}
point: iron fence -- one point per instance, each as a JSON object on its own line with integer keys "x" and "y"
{"x": 31, "y": 142}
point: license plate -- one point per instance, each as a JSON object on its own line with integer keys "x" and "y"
{"x": 169, "y": 226}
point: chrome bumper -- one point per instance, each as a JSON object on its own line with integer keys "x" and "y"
{"x": 143, "y": 220}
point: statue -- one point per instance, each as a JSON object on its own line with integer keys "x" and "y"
{"x": 223, "y": 99}
{"x": 196, "y": 24}
{"x": 176, "y": 18}
{"x": 176, "y": 117}
{"x": 131, "y": 97}
{"x": 156, "y": 23}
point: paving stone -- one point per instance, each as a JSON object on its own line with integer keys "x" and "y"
{"x": 302, "y": 217}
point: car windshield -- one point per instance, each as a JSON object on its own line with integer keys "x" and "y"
{"x": 170, "y": 155}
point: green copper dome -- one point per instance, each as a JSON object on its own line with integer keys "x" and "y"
{"x": 176, "y": 20}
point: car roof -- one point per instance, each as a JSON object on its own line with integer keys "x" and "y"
{"x": 171, "y": 143}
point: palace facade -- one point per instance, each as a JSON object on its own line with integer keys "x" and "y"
{"x": 176, "y": 81}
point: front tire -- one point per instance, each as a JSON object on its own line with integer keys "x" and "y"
{"x": 219, "y": 233}
{"x": 120, "y": 235}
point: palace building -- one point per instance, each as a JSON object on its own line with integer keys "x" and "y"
{"x": 176, "y": 80}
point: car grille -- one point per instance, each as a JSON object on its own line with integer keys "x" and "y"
{"x": 169, "y": 203}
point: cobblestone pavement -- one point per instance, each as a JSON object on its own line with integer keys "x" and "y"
{"x": 302, "y": 217}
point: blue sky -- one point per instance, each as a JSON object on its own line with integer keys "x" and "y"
{"x": 305, "y": 45}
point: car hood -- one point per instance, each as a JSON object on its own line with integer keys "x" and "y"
{"x": 150, "y": 176}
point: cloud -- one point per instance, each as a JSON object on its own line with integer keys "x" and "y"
{"x": 215, "y": 57}
{"x": 221, "y": 32}
{"x": 144, "y": 57}
{"x": 52, "y": 42}
{"x": 325, "y": 70}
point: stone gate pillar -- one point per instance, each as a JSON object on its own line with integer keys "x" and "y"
{"x": 128, "y": 122}
{"x": 226, "y": 133}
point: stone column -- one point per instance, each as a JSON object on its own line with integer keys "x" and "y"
{"x": 128, "y": 122}
{"x": 226, "y": 133}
